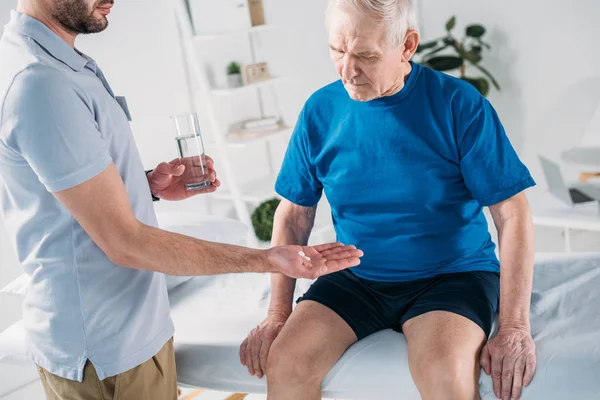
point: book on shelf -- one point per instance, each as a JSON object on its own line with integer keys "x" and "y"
{"x": 260, "y": 123}
{"x": 254, "y": 129}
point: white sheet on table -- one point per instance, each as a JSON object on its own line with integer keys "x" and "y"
{"x": 213, "y": 317}
{"x": 16, "y": 369}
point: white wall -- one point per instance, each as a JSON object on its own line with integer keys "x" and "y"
{"x": 10, "y": 310}
{"x": 544, "y": 55}
{"x": 9, "y": 267}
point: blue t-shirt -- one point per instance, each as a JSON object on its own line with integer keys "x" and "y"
{"x": 406, "y": 175}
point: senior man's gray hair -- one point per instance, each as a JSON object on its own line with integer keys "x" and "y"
{"x": 399, "y": 16}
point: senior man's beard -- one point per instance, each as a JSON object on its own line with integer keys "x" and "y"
{"x": 75, "y": 16}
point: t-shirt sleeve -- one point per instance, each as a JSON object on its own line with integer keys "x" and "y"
{"x": 491, "y": 168}
{"x": 47, "y": 121}
{"x": 297, "y": 180}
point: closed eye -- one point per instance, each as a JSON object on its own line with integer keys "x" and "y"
{"x": 368, "y": 57}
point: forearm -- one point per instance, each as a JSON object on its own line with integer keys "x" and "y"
{"x": 291, "y": 227}
{"x": 282, "y": 294}
{"x": 101, "y": 206}
{"x": 516, "y": 239}
{"x": 154, "y": 249}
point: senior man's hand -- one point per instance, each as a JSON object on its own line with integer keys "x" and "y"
{"x": 254, "y": 350}
{"x": 510, "y": 358}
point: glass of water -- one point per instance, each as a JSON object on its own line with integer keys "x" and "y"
{"x": 191, "y": 151}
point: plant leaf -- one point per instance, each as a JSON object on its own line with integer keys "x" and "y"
{"x": 436, "y": 51}
{"x": 488, "y": 74}
{"x": 475, "y": 31}
{"x": 481, "y": 42}
{"x": 470, "y": 55}
{"x": 445, "y": 63}
{"x": 233, "y": 68}
{"x": 449, "y": 40}
{"x": 481, "y": 84}
{"x": 427, "y": 46}
{"x": 473, "y": 56}
{"x": 451, "y": 23}
{"x": 262, "y": 219}
{"x": 477, "y": 49}
{"x": 459, "y": 49}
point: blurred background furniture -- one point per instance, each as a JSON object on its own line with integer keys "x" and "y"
{"x": 238, "y": 129}
{"x": 551, "y": 212}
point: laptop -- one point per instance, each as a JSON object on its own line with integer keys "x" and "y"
{"x": 575, "y": 193}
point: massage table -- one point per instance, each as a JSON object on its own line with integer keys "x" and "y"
{"x": 212, "y": 316}
{"x": 565, "y": 323}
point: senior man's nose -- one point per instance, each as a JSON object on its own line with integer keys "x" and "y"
{"x": 350, "y": 70}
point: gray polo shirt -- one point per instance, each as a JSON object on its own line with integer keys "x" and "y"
{"x": 61, "y": 125}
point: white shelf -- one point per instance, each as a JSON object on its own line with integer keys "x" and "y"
{"x": 218, "y": 35}
{"x": 257, "y": 85}
{"x": 240, "y": 141}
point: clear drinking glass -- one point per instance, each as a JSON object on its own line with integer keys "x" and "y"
{"x": 191, "y": 151}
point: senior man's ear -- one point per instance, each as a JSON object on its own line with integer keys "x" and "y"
{"x": 411, "y": 42}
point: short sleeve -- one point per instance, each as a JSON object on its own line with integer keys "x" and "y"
{"x": 490, "y": 166}
{"x": 297, "y": 180}
{"x": 46, "y": 120}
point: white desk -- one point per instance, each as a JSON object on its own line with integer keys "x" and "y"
{"x": 548, "y": 211}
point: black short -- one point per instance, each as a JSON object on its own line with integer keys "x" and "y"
{"x": 369, "y": 306}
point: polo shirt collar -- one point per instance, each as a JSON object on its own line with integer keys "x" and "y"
{"x": 57, "y": 47}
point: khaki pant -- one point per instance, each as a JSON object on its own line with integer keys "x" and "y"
{"x": 153, "y": 380}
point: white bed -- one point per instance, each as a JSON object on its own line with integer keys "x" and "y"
{"x": 212, "y": 316}
{"x": 565, "y": 320}
{"x": 18, "y": 376}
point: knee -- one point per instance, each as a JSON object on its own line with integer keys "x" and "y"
{"x": 451, "y": 375}
{"x": 452, "y": 369}
{"x": 290, "y": 365}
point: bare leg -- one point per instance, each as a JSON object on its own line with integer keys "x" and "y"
{"x": 309, "y": 345}
{"x": 443, "y": 354}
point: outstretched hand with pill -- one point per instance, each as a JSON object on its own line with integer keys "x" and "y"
{"x": 310, "y": 262}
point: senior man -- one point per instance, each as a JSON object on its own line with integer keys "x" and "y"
{"x": 78, "y": 205}
{"x": 408, "y": 157}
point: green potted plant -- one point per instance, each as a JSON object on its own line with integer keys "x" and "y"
{"x": 262, "y": 219}
{"x": 466, "y": 55}
{"x": 234, "y": 75}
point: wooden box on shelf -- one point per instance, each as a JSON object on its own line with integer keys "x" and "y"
{"x": 257, "y": 12}
{"x": 252, "y": 129}
{"x": 258, "y": 72}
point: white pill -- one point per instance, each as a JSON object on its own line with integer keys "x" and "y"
{"x": 301, "y": 253}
